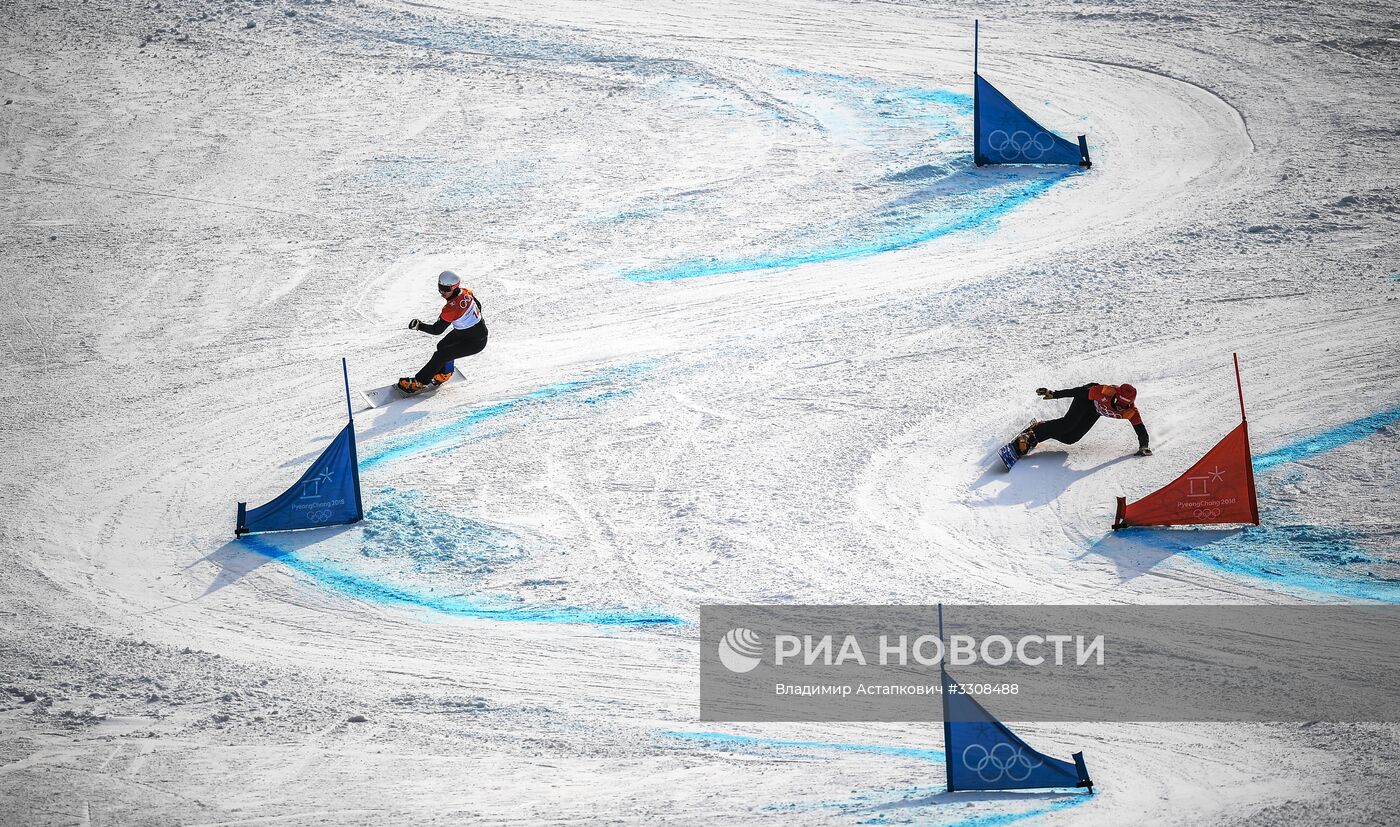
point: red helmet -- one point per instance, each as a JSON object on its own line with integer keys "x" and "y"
{"x": 1127, "y": 394}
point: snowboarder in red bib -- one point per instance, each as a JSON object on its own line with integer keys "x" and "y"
{"x": 1090, "y": 402}
{"x": 462, "y": 312}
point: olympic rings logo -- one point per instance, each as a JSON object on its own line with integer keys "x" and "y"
{"x": 1001, "y": 761}
{"x": 1021, "y": 145}
{"x": 321, "y": 515}
{"x": 1206, "y": 512}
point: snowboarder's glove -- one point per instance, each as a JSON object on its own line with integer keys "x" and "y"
{"x": 1144, "y": 451}
{"x": 1045, "y": 393}
{"x": 413, "y": 325}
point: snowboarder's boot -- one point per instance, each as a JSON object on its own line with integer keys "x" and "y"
{"x": 410, "y": 386}
{"x": 1026, "y": 440}
{"x": 1012, "y": 451}
{"x": 441, "y": 378}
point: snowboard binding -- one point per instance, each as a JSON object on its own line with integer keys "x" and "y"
{"x": 1026, "y": 440}
{"x": 1012, "y": 452}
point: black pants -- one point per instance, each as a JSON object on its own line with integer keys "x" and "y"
{"x": 455, "y": 345}
{"x": 1071, "y": 427}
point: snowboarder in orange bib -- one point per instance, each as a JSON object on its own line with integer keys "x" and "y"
{"x": 462, "y": 312}
{"x": 1090, "y": 402}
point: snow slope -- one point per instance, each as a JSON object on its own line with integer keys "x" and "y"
{"x": 756, "y": 330}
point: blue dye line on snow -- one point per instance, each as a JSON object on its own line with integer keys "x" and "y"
{"x": 457, "y": 429}
{"x": 935, "y": 755}
{"x": 1327, "y": 440}
{"x": 985, "y": 216}
{"x": 956, "y": 100}
{"x": 373, "y": 591}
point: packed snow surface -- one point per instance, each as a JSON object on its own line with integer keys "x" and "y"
{"x": 757, "y": 328}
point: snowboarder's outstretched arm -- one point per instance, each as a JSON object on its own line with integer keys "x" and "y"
{"x": 1081, "y": 392}
{"x": 1141, "y": 429}
{"x": 1134, "y": 417}
{"x": 435, "y": 328}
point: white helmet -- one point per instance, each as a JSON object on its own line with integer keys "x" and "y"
{"x": 448, "y": 280}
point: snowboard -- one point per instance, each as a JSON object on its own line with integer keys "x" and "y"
{"x": 379, "y": 397}
{"x": 1008, "y": 455}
